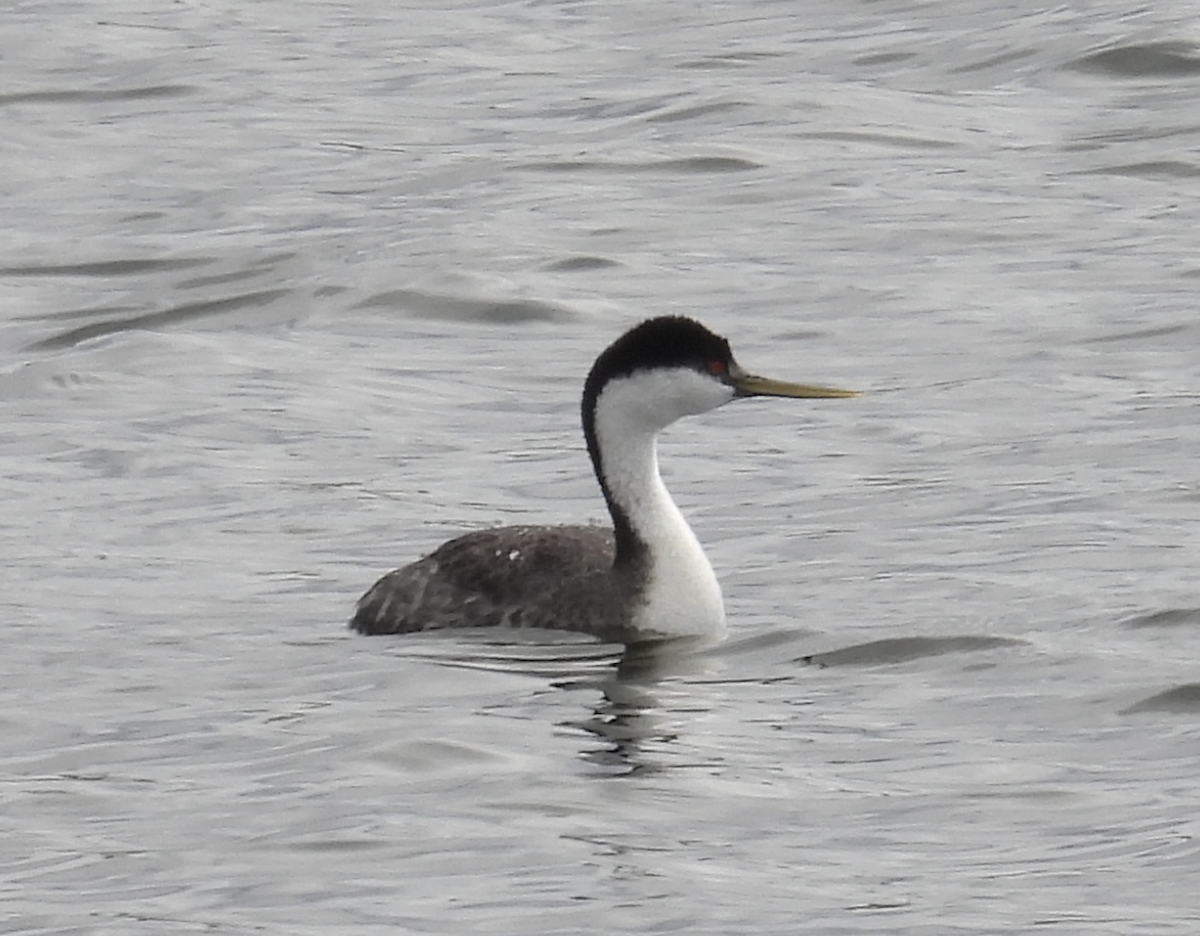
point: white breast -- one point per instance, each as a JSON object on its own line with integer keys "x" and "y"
{"x": 682, "y": 597}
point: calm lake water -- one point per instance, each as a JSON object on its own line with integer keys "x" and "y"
{"x": 292, "y": 292}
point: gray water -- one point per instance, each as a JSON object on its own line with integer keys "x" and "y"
{"x": 292, "y": 292}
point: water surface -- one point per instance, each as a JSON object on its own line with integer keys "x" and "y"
{"x": 293, "y": 292}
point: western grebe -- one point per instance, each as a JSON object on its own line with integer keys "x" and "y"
{"x": 645, "y": 579}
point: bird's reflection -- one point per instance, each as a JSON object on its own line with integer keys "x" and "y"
{"x": 642, "y": 699}
{"x": 646, "y": 690}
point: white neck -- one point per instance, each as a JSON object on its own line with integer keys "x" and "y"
{"x": 682, "y": 596}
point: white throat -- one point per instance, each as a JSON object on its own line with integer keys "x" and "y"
{"x": 682, "y": 596}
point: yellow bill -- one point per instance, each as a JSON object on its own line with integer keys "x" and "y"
{"x": 750, "y": 385}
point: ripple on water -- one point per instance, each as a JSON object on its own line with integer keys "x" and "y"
{"x": 1144, "y": 60}
{"x": 892, "y": 650}
{"x": 152, "y": 285}
{"x": 1169, "y": 617}
{"x": 1184, "y": 699}
{"x": 467, "y": 308}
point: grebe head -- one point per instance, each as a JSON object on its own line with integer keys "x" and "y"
{"x": 670, "y": 367}
{"x": 654, "y": 374}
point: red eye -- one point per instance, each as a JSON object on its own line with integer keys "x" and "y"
{"x": 716, "y": 368}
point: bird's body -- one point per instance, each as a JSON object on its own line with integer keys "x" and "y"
{"x": 646, "y": 578}
{"x": 515, "y": 576}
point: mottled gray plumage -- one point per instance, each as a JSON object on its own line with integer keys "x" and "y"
{"x": 520, "y": 576}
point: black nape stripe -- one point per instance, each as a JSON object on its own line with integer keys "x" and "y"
{"x": 670, "y": 341}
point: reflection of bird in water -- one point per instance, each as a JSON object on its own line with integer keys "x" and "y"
{"x": 647, "y": 700}
{"x": 646, "y": 578}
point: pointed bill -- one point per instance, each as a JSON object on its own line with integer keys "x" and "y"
{"x": 750, "y": 385}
